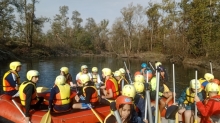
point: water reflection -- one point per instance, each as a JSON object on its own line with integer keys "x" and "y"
{"x": 50, "y": 68}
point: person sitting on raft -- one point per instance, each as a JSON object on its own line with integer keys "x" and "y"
{"x": 110, "y": 89}
{"x": 124, "y": 75}
{"x": 211, "y": 108}
{"x": 121, "y": 81}
{"x": 146, "y": 71}
{"x": 28, "y": 93}
{"x": 129, "y": 91}
{"x": 59, "y": 99}
{"x": 124, "y": 106}
{"x": 187, "y": 100}
{"x": 95, "y": 77}
{"x": 208, "y": 77}
{"x": 11, "y": 79}
{"x": 89, "y": 94}
{"x": 164, "y": 92}
{"x": 65, "y": 72}
{"x": 84, "y": 70}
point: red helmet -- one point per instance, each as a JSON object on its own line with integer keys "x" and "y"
{"x": 137, "y": 73}
{"x": 216, "y": 81}
{"x": 123, "y": 100}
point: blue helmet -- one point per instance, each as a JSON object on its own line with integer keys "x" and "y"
{"x": 144, "y": 65}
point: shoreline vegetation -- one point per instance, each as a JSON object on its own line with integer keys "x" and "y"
{"x": 178, "y": 32}
{"x": 22, "y": 53}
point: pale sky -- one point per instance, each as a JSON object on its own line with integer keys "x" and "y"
{"x": 97, "y": 9}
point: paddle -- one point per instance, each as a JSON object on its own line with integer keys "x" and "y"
{"x": 157, "y": 95}
{"x": 210, "y": 62}
{"x": 147, "y": 102}
{"x": 195, "y": 94}
{"x": 151, "y": 66}
{"x": 128, "y": 73}
{"x": 173, "y": 109}
{"x": 41, "y": 89}
{"x": 19, "y": 109}
{"x": 46, "y": 118}
{"x": 94, "y": 112}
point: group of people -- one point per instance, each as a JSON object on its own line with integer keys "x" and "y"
{"x": 93, "y": 89}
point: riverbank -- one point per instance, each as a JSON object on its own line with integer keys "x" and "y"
{"x": 21, "y": 53}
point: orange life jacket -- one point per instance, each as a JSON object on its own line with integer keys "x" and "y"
{"x": 6, "y": 84}
{"x": 94, "y": 97}
{"x": 115, "y": 89}
{"x": 63, "y": 97}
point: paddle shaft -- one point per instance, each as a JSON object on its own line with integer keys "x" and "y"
{"x": 145, "y": 116}
{"x": 196, "y": 94}
{"x": 128, "y": 73}
{"x": 174, "y": 90}
{"x": 151, "y": 65}
{"x": 211, "y": 67}
{"x": 94, "y": 112}
{"x": 157, "y": 96}
{"x": 19, "y": 108}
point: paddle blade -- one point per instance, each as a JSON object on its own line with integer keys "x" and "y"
{"x": 171, "y": 112}
{"x": 41, "y": 89}
{"x": 46, "y": 118}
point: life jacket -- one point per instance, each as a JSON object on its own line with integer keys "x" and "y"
{"x": 94, "y": 78}
{"x": 116, "y": 92}
{"x": 22, "y": 95}
{"x": 63, "y": 97}
{"x": 6, "y": 84}
{"x": 190, "y": 96}
{"x": 94, "y": 97}
{"x": 109, "y": 115}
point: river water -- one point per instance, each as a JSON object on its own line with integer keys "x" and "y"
{"x": 50, "y": 68}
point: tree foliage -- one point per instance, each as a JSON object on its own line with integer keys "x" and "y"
{"x": 189, "y": 28}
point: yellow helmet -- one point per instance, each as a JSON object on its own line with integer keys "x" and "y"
{"x": 60, "y": 80}
{"x": 209, "y": 76}
{"x": 117, "y": 73}
{"x": 106, "y": 71}
{"x": 139, "y": 78}
{"x": 139, "y": 87}
{"x": 94, "y": 69}
{"x": 193, "y": 83}
{"x": 84, "y": 67}
{"x": 157, "y": 64}
{"x": 14, "y": 65}
{"x": 84, "y": 78}
{"x": 32, "y": 73}
{"x": 129, "y": 90}
{"x": 212, "y": 87}
{"x": 65, "y": 70}
{"x": 122, "y": 70}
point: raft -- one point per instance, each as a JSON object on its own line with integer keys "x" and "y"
{"x": 10, "y": 112}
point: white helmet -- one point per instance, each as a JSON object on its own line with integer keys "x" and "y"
{"x": 84, "y": 67}
{"x": 60, "y": 80}
{"x": 32, "y": 73}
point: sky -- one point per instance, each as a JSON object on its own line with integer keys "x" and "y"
{"x": 96, "y": 9}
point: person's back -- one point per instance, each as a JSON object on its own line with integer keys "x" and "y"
{"x": 59, "y": 99}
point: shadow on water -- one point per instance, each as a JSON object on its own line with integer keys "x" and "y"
{"x": 50, "y": 68}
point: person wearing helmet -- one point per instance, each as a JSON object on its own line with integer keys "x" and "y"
{"x": 65, "y": 72}
{"x": 59, "y": 99}
{"x": 208, "y": 77}
{"x": 130, "y": 91}
{"x": 95, "y": 77}
{"x": 28, "y": 93}
{"x": 157, "y": 64}
{"x": 110, "y": 89}
{"x": 187, "y": 99}
{"x": 84, "y": 70}
{"x": 211, "y": 109}
{"x": 89, "y": 92}
{"x": 120, "y": 79}
{"x": 11, "y": 79}
{"x": 124, "y": 107}
{"x": 124, "y": 75}
{"x": 146, "y": 71}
